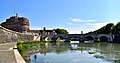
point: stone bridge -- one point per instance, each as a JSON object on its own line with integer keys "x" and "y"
{"x": 80, "y": 37}
{"x": 7, "y": 35}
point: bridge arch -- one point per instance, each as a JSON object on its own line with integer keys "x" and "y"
{"x": 60, "y": 38}
{"x": 89, "y": 38}
{"x": 104, "y": 39}
{"x": 47, "y": 38}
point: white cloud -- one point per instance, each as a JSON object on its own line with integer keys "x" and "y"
{"x": 96, "y": 26}
{"x": 73, "y": 28}
{"x": 79, "y": 20}
{"x": 87, "y": 27}
{"x": 69, "y": 23}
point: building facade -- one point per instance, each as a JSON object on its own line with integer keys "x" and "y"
{"x": 44, "y": 32}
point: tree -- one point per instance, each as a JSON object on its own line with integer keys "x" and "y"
{"x": 117, "y": 28}
{"x": 113, "y": 30}
{"x": 108, "y": 28}
{"x": 61, "y": 31}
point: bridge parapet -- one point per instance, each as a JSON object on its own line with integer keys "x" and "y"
{"x": 83, "y": 37}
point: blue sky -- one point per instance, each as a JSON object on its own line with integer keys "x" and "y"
{"x": 72, "y": 15}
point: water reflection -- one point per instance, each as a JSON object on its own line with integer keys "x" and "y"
{"x": 74, "y": 46}
{"x": 35, "y": 57}
{"x": 61, "y": 52}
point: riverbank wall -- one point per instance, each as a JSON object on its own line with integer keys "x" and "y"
{"x": 18, "y": 57}
{"x": 7, "y": 35}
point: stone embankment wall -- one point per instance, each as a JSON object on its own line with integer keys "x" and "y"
{"x": 7, "y": 35}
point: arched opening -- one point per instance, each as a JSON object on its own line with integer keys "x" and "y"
{"x": 89, "y": 38}
{"x": 47, "y": 38}
{"x": 103, "y": 39}
{"x": 75, "y": 38}
{"x": 59, "y": 38}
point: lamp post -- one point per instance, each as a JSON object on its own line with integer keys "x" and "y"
{"x": 81, "y": 35}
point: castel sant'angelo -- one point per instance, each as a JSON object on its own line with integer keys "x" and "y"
{"x": 21, "y": 24}
{"x": 15, "y": 23}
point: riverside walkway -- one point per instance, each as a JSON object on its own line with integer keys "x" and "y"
{"x": 7, "y": 53}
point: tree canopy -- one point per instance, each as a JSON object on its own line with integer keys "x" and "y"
{"x": 61, "y": 31}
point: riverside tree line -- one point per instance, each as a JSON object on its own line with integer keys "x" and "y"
{"x": 109, "y": 28}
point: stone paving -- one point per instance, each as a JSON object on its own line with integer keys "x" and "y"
{"x": 7, "y": 53}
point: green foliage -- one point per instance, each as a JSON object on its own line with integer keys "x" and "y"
{"x": 117, "y": 28}
{"x": 108, "y": 28}
{"x": 92, "y": 52}
{"x": 28, "y": 45}
{"x": 61, "y": 31}
{"x": 82, "y": 48}
{"x": 105, "y": 29}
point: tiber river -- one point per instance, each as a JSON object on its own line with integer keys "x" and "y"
{"x": 65, "y": 52}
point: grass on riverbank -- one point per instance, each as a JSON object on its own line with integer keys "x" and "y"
{"x": 28, "y": 45}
